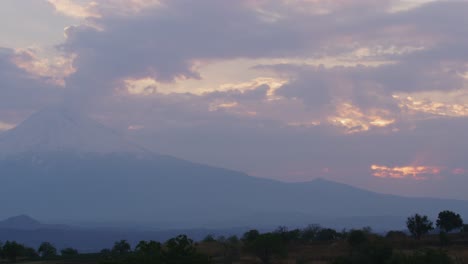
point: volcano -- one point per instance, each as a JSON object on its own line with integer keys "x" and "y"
{"x": 59, "y": 164}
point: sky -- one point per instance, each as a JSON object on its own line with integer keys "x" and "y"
{"x": 372, "y": 93}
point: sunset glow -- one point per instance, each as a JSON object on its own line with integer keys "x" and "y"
{"x": 264, "y": 86}
{"x": 5, "y": 126}
{"x": 433, "y": 107}
{"x": 415, "y": 172}
{"x": 354, "y": 120}
{"x": 56, "y": 68}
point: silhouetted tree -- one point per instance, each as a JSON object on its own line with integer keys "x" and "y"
{"x": 310, "y": 232}
{"x": 419, "y": 225}
{"x": 147, "y": 253}
{"x": 47, "y": 250}
{"x": 209, "y": 238}
{"x": 181, "y": 250}
{"x": 121, "y": 247}
{"x": 326, "y": 234}
{"x": 282, "y": 231}
{"x": 267, "y": 245}
{"x": 151, "y": 247}
{"x": 69, "y": 252}
{"x": 250, "y": 235}
{"x": 12, "y": 250}
{"x": 105, "y": 253}
{"x": 357, "y": 238}
{"x": 288, "y": 235}
{"x": 294, "y": 235}
{"x": 448, "y": 221}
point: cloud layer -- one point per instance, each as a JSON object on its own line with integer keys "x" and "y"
{"x": 372, "y": 93}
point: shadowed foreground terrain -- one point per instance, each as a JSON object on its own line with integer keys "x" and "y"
{"x": 312, "y": 244}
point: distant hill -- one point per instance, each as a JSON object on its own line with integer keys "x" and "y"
{"x": 25, "y": 222}
{"x": 20, "y": 222}
{"x": 61, "y": 165}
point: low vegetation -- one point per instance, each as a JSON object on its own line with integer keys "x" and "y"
{"x": 420, "y": 244}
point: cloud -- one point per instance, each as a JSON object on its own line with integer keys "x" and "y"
{"x": 431, "y": 107}
{"x": 19, "y": 88}
{"x": 96, "y": 9}
{"x": 354, "y": 120}
{"x": 75, "y": 9}
{"x": 5, "y": 126}
{"x": 53, "y": 68}
{"x": 416, "y": 172}
{"x": 370, "y": 58}
{"x": 166, "y": 43}
{"x": 279, "y": 88}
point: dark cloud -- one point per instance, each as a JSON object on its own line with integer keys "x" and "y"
{"x": 164, "y": 42}
{"x": 424, "y": 50}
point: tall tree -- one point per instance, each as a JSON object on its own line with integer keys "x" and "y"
{"x": 12, "y": 250}
{"x": 448, "y": 221}
{"x": 182, "y": 250}
{"x": 419, "y": 225}
{"x": 121, "y": 247}
{"x": 147, "y": 253}
{"x": 47, "y": 250}
{"x": 266, "y": 246}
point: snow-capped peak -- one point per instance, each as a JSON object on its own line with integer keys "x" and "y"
{"x": 59, "y": 129}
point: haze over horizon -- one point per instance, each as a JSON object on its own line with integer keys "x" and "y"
{"x": 370, "y": 93}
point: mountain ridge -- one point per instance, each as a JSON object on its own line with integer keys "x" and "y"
{"x": 113, "y": 183}
{"x": 58, "y": 129}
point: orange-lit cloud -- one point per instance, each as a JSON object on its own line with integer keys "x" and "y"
{"x": 273, "y": 83}
{"x": 149, "y": 85}
{"x": 353, "y": 119}
{"x": 415, "y": 172}
{"x": 432, "y": 107}
{"x": 90, "y": 8}
{"x": 144, "y": 86}
{"x": 222, "y": 105}
{"x": 84, "y": 9}
{"x": 55, "y": 68}
{"x": 231, "y": 107}
{"x": 5, "y": 126}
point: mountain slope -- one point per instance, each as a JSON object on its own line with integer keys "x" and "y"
{"x": 59, "y": 129}
{"x": 116, "y": 181}
{"x": 20, "y": 222}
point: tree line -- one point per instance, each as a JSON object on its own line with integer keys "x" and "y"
{"x": 363, "y": 245}
{"x": 447, "y": 221}
{"x": 12, "y": 251}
